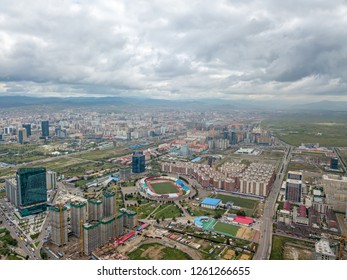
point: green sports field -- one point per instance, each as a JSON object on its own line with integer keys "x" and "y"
{"x": 225, "y": 228}
{"x": 164, "y": 188}
{"x": 239, "y": 201}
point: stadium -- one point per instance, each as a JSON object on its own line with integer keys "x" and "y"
{"x": 163, "y": 188}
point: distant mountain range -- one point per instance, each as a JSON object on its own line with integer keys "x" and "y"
{"x": 217, "y": 104}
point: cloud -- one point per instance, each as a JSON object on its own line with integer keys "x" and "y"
{"x": 175, "y": 49}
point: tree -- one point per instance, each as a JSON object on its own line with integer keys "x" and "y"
{"x": 217, "y": 216}
{"x": 241, "y": 213}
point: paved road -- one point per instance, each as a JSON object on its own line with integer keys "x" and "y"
{"x": 185, "y": 212}
{"x": 23, "y": 246}
{"x": 264, "y": 249}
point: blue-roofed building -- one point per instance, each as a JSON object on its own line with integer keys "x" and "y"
{"x": 210, "y": 203}
{"x": 180, "y": 183}
{"x": 196, "y": 159}
{"x": 198, "y": 221}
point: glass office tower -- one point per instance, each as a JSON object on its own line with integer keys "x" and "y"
{"x": 32, "y": 190}
{"x": 45, "y": 128}
{"x": 138, "y": 162}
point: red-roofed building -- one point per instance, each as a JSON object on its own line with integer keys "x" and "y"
{"x": 243, "y": 220}
{"x": 286, "y": 205}
{"x": 302, "y": 211}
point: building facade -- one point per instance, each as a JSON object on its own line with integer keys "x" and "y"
{"x": 22, "y": 135}
{"x": 51, "y": 180}
{"x": 293, "y": 190}
{"x": 59, "y": 225}
{"x": 27, "y": 128}
{"x": 138, "y": 162}
{"x": 78, "y": 215}
{"x": 108, "y": 204}
{"x": 32, "y": 190}
{"x": 45, "y": 128}
{"x": 323, "y": 251}
{"x": 12, "y": 191}
{"x": 95, "y": 210}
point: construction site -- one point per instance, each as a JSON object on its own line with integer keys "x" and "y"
{"x": 81, "y": 226}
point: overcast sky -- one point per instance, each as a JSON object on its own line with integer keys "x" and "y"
{"x": 235, "y": 49}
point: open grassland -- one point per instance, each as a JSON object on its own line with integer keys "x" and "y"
{"x": 156, "y": 251}
{"x": 328, "y": 129}
{"x": 294, "y": 166}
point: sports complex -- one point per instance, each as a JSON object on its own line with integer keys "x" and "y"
{"x": 238, "y": 228}
{"x": 163, "y": 187}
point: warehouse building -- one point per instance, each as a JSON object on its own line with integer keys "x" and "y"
{"x": 210, "y": 203}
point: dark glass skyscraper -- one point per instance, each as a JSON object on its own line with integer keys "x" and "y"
{"x": 45, "y": 128}
{"x": 138, "y": 162}
{"x": 233, "y": 140}
{"x": 21, "y": 135}
{"x": 334, "y": 163}
{"x": 32, "y": 190}
{"x": 28, "y": 128}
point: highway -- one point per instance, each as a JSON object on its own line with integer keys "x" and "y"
{"x": 264, "y": 249}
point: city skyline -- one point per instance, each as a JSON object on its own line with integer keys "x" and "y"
{"x": 175, "y": 50}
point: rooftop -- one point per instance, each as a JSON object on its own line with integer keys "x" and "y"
{"x": 323, "y": 247}
{"x": 211, "y": 201}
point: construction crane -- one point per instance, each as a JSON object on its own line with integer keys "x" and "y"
{"x": 115, "y": 212}
{"x": 81, "y": 237}
{"x": 343, "y": 241}
{"x": 61, "y": 224}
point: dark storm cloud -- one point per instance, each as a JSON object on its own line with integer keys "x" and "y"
{"x": 175, "y": 49}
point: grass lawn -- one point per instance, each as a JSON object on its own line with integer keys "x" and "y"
{"x": 14, "y": 257}
{"x": 164, "y": 188}
{"x": 145, "y": 210}
{"x": 226, "y": 228}
{"x": 239, "y": 201}
{"x": 167, "y": 211}
{"x": 156, "y": 251}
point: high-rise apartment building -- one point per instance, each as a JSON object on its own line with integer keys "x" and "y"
{"x": 51, "y": 180}
{"x": 95, "y": 210}
{"x": 59, "y": 224}
{"x": 108, "y": 204}
{"x": 12, "y": 191}
{"x": 78, "y": 215}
